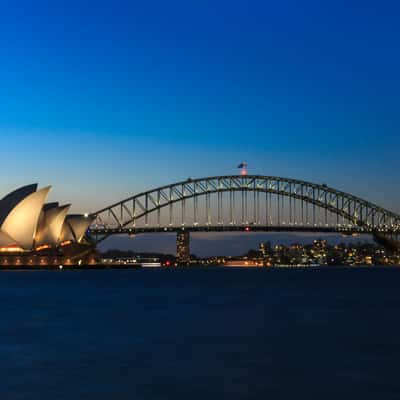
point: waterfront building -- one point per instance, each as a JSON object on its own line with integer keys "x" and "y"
{"x": 33, "y": 232}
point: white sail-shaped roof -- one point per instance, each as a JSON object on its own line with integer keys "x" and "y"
{"x": 9, "y": 202}
{"x": 50, "y": 224}
{"x": 66, "y": 234}
{"x": 21, "y": 223}
{"x": 75, "y": 227}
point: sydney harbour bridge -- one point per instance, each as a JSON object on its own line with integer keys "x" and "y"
{"x": 246, "y": 203}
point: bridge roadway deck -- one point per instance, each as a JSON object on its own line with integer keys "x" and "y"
{"x": 234, "y": 228}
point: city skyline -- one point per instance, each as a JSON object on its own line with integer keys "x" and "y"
{"x": 220, "y": 244}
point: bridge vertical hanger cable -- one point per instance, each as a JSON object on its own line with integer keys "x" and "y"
{"x": 284, "y": 200}
{"x": 270, "y": 208}
{"x": 258, "y": 209}
{"x": 337, "y": 206}
{"x": 326, "y": 209}
{"x": 246, "y": 210}
{"x": 290, "y": 204}
{"x": 307, "y": 213}
{"x": 302, "y": 205}
{"x": 171, "y": 206}
{"x": 208, "y": 208}
{"x": 266, "y": 205}
{"x": 235, "y": 219}
{"x": 134, "y": 213}
{"x": 255, "y": 207}
{"x": 246, "y": 199}
{"x": 159, "y": 209}
{"x": 146, "y": 200}
{"x": 314, "y": 210}
{"x": 183, "y": 205}
{"x": 342, "y": 209}
{"x": 242, "y": 198}
{"x": 279, "y": 206}
{"x": 230, "y": 207}
{"x": 196, "y": 200}
{"x": 294, "y": 210}
{"x": 219, "y": 204}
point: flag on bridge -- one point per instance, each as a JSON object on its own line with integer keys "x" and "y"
{"x": 243, "y": 168}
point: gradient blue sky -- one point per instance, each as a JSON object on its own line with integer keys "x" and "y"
{"x": 103, "y": 99}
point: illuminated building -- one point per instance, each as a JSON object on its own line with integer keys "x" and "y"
{"x": 183, "y": 247}
{"x": 265, "y": 248}
{"x": 319, "y": 252}
{"x": 33, "y": 232}
{"x": 320, "y": 244}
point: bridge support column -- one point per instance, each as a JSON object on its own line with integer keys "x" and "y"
{"x": 183, "y": 247}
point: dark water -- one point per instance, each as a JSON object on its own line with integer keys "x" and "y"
{"x": 200, "y": 334}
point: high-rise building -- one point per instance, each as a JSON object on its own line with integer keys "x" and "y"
{"x": 183, "y": 247}
{"x": 265, "y": 248}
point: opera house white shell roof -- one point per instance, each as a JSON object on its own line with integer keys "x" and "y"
{"x": 51, "y": 224}
{"x": 27, "y": 222}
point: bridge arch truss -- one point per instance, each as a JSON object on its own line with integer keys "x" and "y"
{"x": 236, "y": 202}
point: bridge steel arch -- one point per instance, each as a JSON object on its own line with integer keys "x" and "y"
{"x": 352, "y": 213}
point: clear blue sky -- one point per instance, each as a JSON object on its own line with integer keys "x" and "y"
{"x": 102, "y": 99}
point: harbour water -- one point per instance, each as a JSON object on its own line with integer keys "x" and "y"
{"x": 200, "y": 334}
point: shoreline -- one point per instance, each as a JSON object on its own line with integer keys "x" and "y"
{"x": 191, "y": 267}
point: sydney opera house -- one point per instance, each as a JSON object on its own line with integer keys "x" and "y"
{"x": 34, "y": 232}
